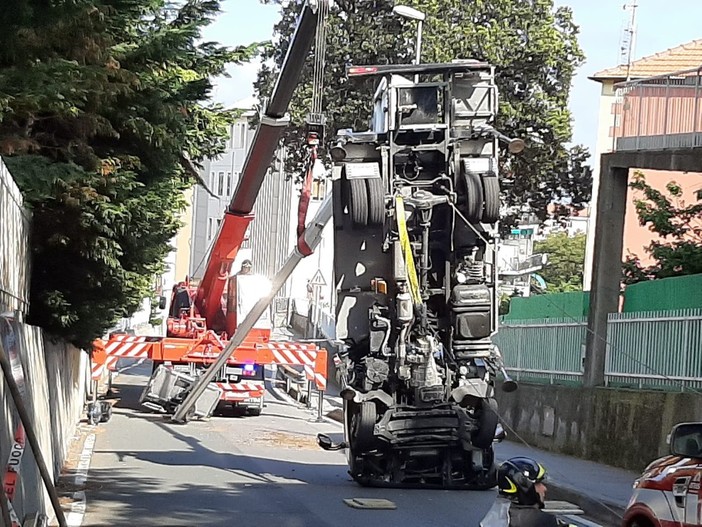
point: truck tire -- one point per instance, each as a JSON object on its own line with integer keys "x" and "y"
{"x": 254, "y": 412}
{"x": 471, "y": 187}
{"x": 376, "y": 202}
{"x": 358, "y": 202}
{"x": 488, "y": 420}
{"x": 491, "y": 195}
{"x": 362, "y": 425}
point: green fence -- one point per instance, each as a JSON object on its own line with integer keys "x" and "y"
{"x": 680, "y": 292}
{"x": 556, "y": 305}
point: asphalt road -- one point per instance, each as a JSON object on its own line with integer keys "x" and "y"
{"x": 265, "y": 471}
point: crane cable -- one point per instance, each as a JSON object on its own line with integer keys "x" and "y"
{"x": 315, "y": 114}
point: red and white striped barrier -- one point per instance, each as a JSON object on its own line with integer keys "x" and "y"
{"x": 241, "y": 390}
{"x": 128, "y": 346}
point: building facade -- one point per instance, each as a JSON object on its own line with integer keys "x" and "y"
{"x": 272, "y": 233}
{"x": 636, "y": 238}
{"x": 221, "y": 176}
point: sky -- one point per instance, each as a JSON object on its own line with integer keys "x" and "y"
{"x": 661, "y": 24}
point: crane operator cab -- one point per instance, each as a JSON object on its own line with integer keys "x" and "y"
{"x": 416, "y": 205}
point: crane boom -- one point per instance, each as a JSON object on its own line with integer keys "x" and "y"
{"x": 200, "y": 329}
{"x": 238, "y": 214}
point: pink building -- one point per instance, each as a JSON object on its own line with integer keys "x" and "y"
{"x": 646, "y": 117}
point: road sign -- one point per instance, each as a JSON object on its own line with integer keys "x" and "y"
{"x": 318, "y": 279}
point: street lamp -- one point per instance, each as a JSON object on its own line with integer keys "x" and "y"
{"x": 411, "y": 13}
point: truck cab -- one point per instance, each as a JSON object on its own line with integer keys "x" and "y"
{"x": 416, "y": 206}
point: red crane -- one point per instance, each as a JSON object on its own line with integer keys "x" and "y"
{"x": 199, "y": 325}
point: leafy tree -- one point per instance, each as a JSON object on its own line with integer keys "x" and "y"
{"x": 533, "y": 46}
{"x": 104, "y": 116}
{"x": 566, "y": 261}
{"x": 678, "y": 251}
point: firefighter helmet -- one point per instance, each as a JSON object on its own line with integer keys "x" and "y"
{"x": 517, "y": 478}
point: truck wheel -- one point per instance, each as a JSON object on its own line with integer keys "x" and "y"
{"x": 376, "y": 202}
{"x": 358, "y": 202}
{"x": 254, "y": 412}
{"x": 471, "y": 187}
{"x": 488, "y": 420}
{"x": 362, "y": 424}
{"x": 491, "y": 193}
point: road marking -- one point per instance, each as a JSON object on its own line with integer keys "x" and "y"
{"x": 79, "y": 505}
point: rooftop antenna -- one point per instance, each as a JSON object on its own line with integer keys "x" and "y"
{"x": 628, "y": 40}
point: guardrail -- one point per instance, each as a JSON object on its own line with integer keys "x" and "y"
{"x": 659, "y": 113}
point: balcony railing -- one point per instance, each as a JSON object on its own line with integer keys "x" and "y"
{"x": 659, "y": 113}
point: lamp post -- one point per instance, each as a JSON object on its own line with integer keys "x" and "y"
{"x": 413, "y": 14}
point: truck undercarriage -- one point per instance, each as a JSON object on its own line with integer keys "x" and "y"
{"x": 416, "y": 202}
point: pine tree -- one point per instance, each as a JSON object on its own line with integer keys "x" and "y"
{"x": 104, "y": 117}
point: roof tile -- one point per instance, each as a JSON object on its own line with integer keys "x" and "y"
{"x": 686, "y": 56}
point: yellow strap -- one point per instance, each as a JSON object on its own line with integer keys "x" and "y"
{"x": 407, "y": 250}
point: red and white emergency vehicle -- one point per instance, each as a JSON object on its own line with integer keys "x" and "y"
{"x": 669, "y": 492}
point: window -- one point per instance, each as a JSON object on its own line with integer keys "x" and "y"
{"x": 212, "y": 180}
{"x": 210, "y": 228}
{"x": 239, "y": 135}
{"x": 221, "y": 184}
{"x": 229, "y": 183}
{"x": 319, "y": 187}
{"x": 246, "y": 243}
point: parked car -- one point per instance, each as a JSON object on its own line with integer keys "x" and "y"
{"x": 668, "y": 492}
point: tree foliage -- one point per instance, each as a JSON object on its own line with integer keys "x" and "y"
{"x": 104, "y": 117}
{"x": 566, "y": 261}
{"x": 678, "y": 251}
{"x": 533, "y": 46}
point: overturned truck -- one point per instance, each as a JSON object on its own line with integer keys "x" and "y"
{"x": 416, "y": 202}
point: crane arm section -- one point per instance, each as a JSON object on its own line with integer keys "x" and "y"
{"x": 238, "y": 214}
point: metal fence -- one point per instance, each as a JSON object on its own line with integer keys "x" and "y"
{"x": 550, "y": 350}
{"x": 646, "y": 350}
{"x": 14, "y": 245}
{"x": 661, "y": 349}
{"x": 659, "y": 112}
{"x": 323, "y": 321}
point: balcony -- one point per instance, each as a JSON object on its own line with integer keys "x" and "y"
{"x": 659, "y": 113}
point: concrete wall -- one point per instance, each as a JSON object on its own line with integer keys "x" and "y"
{"x": 55, "y": 377}
{"x": 623, "y": 428}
